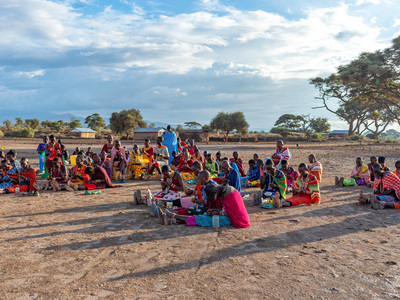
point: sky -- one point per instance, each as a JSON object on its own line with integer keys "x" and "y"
{"x": 179, "y": 61}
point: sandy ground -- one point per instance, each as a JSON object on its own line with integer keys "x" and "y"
{"x": 75, "y": 246}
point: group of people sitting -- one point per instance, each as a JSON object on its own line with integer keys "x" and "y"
{"x": 219, "y": 182}
{"x": 385, "y": 184}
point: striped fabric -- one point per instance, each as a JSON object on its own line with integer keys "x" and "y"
{"x": 311, "y": 186}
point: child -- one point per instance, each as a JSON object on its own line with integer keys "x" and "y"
{"x": 381, "y": 161}
{"x": 89, "y": 152}
{"x": 65, "y": 154}
{"x": 58, "y": 176}
{"x": 175, "y": 160}
{"x": 253, "y": 173}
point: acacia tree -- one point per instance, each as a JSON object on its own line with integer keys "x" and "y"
{"x": 95, "y": 121}
{"x": 19, "y": 122}
{"x": 32, "y": 123}
{"x": 227, "y": 122}
{"x": 75, "y": 123}
{"x": 367, "y": 90}
{"x": 320, "y": 125}
{"x": 126, "y": 121}
{"x": 8, "y": 124}
{"x": 192, "y": 125}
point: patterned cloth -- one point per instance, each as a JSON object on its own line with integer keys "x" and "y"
{"x": 316, "y": 170}
{"x": 361, "y": 173}
{"x": 239, "y": 163}
{"x": 388, "y": 182}
{"x": 278, "y": 178}
{"x": 311, "y": 188}
{"x": 136, "y": 166}
{"x": 283, "y": 154}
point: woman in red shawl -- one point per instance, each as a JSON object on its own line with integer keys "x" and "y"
{"x": 98, "y": 179}
{"x": 108, "y": 146}
{"x": 53, "y": 150}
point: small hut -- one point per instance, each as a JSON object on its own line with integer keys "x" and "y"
{"x": 339, "y": 134}
{"x": 85, "y": 133}
{"x": 140, "y": 134}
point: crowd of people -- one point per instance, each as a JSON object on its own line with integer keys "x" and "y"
{"x": 218, "y": 181}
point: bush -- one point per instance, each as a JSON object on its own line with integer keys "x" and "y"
{"x": 279, "y": 129}
{"x": 370, "y": 136}
{"x": 1, "y": 134}
{"x": 357, "y": 137}
{"x": 317, "y": 137}
{"x": 24, "y": 133}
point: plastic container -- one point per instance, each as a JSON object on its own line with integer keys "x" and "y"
{"x": 17, "y": 189}
{"x": 215, "y": 220}
{"x": 73, "y": 160}
{"x": 169, "y": 205}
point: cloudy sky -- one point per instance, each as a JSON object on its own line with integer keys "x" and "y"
{"x": 181, "y": 61}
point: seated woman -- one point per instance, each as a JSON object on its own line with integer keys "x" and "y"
{"x": 12, "y": 157}
{"x": 280, "y": 153}
{"x": 197, "y": 156}
{"x": 53, "y": 150}
{"x": 136, "y": 167}
{"x": 9, "y": 175}
{"x": 239, "y": 163}
{"x": 185, "y": 164}
{"x": 27, "y": 181}
{"x": 231, "y": 176}
{"x": 290, "y": 174}
{"x": 397, "y": 166}
{"x": 76, "y": 151}
{"x": 118, "y": 160}
{"x": 211, "y": 166}
{"x": 58, "y": 176}
{"x": 315, "y": 168}
{"x": 95, "y": 159}
{"x": 98, "y": 179}
{"x": 359, "y": 175}
{"x": 272, "y": 184}
{"x": 305, "y": 190}
{"x": 171, "y": 185}
{"x": 386, "y": 190}
{"x": 233, "y": 211}
{"x": 78, "y": 175}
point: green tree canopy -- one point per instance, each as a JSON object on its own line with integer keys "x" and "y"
{"x": 192, "y": 125}
{"x": 227, "y": 122}
{"x": 179, "y": 127}
{"x": 19, "y": 122}
{"x": 95, "y": 121}
{"x": 75, "y": 123}
{"x": 290, "y": 121}
{"x": 7, "y": 123}
{"x": 320, "y": 125}
{"x": 32, "y": 123}
{"x": 126, "y": 121}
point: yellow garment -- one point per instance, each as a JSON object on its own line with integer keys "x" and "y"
{"x": 134, "y": 170}
{"x": 187, "y": 176}
{"x": 78, "y": 172}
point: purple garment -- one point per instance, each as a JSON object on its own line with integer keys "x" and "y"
{"x": 41, "y": 147}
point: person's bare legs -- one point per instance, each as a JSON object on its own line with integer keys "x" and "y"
{"x": 69, "y": 187}
{"x": 257, "y": 197}
{"x": 361, "y": 199}
{"x": 276, "y": 201}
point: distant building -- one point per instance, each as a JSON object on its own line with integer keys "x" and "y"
{"x": 140, "y": 134}
{"x": 197, "y": 135}
{"x": 85, "y": 133}
{"x": 339, "y": 134}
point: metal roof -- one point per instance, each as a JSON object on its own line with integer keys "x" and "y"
{"x": 155, "y": 129}
{"x": 339, "y": 132}
{"x": 85, "y": 130}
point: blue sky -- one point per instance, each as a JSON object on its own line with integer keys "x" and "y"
{"x": 181, "y": 61}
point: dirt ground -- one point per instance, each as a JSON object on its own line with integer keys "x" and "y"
{"x": 76, "y": 246}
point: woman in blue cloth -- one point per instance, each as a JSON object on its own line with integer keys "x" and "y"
{"x": 170, "y": 142}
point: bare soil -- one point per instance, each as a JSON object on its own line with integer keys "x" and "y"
{"x": 75, "y": 246}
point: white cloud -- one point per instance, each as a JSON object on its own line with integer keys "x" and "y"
{"x": 396, "y": 23}
{"x": 32, "y": 73}
{"x": 360, "y": 2}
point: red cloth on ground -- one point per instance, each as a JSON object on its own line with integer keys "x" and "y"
{"x": 30, "y": 174}
{"x": 300, "y": 199}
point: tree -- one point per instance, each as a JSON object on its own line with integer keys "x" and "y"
{"x": 7, "y": 123}
{"x": 290, "y": 121}
{"x": 227, "y": 122}
{"x": 32, "y": 123}
{"x": 206, "y": 127}
{"x": 179, "y": 127}
{"x": 95, "y": 121}
{"x": 152, "y": 125}
{"x": 126, "y": 121}
{"x": 192, "y": 125}
{"x": 75, "y": 123}
{"x": 19, "y": 122}
{"x": 320, "y": 125}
